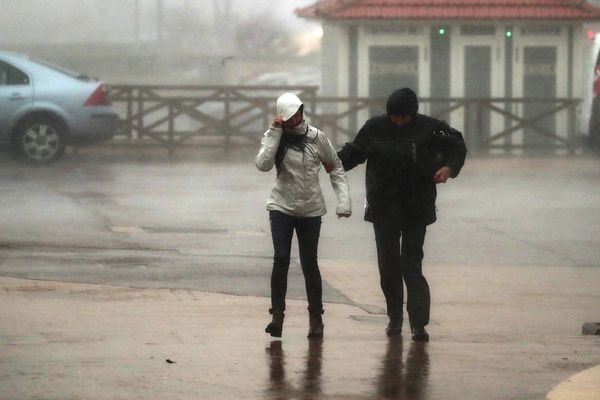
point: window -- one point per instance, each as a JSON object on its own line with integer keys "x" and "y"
{"x": 10, "y": 75}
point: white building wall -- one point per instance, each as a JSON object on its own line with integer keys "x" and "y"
{"x": 589, "y": 51}
{"x": 343, "y": 57}
{"x": 335, "y": 74}
{"x": 582, "y": 79}
{"x": 330, "y": 60}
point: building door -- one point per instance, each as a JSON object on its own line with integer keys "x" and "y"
{"x": 539, "y": 82}
{"x": 478, "y": 85}
{"x": 539, "y": 73}
{"x": 477, "y": 74}
{"x": 392, "y": 67}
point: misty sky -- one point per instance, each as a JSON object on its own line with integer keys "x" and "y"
{"x": 33, "y": 21}
{"x": 281, "y": 7}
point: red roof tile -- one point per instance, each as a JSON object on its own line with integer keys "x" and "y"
{"x": 451, "y": 9}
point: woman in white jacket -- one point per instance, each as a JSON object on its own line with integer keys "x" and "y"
{"x": 297, "y": 151}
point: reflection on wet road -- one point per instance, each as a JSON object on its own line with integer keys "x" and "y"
{"x": 404, "y": 379}
{"x": 398, "y": 378}
{"x": 279, "y": 388}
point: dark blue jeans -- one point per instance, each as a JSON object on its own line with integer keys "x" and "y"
{"x": 307, "y": 231}
{"x": 398, "y": 262}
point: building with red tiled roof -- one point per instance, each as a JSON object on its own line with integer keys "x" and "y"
{"x": 462, "y": 49}
{"x": 576, "y": 10}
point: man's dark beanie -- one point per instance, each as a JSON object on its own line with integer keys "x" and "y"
{"x": 402, "y": 101}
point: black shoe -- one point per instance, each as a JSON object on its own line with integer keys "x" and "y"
{"x": 394, "y": 327}
{"x": 315, "y": 328}
{"x": 419, "y": 334}
{"x": 275, "y": 327}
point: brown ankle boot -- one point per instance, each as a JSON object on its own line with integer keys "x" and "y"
{"x": 315, "y": 327}
{"x": 275, "y": 327}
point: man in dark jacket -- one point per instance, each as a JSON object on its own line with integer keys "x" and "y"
{"x": 407, "y": 154}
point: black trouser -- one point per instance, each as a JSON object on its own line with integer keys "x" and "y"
{"x": 307, "y": 231}
{"x": 402, "y": 262}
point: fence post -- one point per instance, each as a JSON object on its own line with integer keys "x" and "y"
{"x": 129, "y": 118}
{"x": 266, "y": 115}
{"x": 479, "y": 106}
{"x": 140, "y": 118}
{"x": 227, "y": 120}
{"x": 352, "y": 118}
{"x": 571, "y": 126}
{"x": 313, "y": 105}
{"x": 471, "y": 135}
{"x": 334, "y": 131}
{"x": 171, "y": 129}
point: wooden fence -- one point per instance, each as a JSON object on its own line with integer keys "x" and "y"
{"x": 172, "y": 115}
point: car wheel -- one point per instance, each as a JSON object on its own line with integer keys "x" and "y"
{"x": 39, "y": 141}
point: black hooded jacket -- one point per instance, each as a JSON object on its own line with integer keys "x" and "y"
{"x": 401, "y": 164}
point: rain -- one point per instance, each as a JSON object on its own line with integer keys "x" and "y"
{"x": 137, "y": 251}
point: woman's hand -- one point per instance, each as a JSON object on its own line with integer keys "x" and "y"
{"x": 278, "y": 121}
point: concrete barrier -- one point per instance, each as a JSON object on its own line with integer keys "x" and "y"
{"x": 591, "y": 328}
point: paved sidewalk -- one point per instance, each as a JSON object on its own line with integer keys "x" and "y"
{"x": 582, "y": 386}
{"x": 77, "y": 341}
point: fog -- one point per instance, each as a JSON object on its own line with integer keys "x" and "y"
{"x": 72, "y": 21}
{"x": 168, "y": 41}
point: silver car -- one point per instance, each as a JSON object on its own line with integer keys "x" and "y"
{"x": 44, "y": 108}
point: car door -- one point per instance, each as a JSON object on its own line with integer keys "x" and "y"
{"x": 16, "y": 92}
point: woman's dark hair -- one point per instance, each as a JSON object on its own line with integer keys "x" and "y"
{"x": 289, "y": 140}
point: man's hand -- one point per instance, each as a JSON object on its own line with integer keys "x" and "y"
{"x": 343, "y": 215}
{"x": 328, "y": 167}
{"x": 278, "y": 121}
{"x": 442, "y": 175}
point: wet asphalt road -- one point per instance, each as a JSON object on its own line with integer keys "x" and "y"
{"x": 202, "y": 225}
{"x": 190, "y": 225}
{"x": 199, "y": 223}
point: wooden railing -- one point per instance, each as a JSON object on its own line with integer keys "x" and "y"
{"x": 172, "y": 115}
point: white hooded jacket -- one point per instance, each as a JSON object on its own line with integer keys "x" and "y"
{"x": 297, "y": 191}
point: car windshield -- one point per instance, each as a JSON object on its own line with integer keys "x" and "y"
{"x": 73, "y": 74}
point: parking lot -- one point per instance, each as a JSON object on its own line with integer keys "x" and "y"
{"x": 115, "y": 260}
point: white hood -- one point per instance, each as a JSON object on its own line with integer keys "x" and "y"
{"x": 287, "y": 105}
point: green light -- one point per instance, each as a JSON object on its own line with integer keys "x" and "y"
{"x": 508, "y": 34}
{"x": 442, "y": 31}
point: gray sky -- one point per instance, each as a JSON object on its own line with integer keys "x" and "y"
{"x": 280, "y": 8}
{"x": 29, "y": 21}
